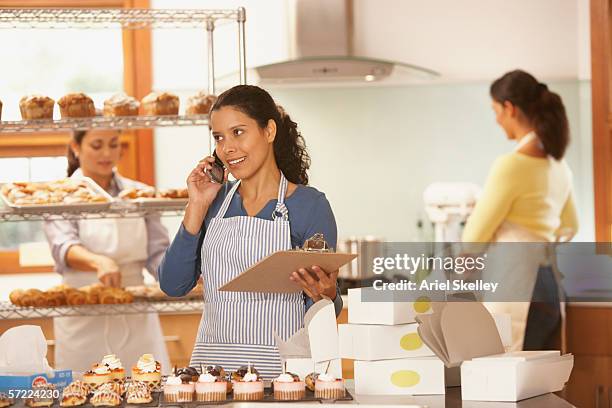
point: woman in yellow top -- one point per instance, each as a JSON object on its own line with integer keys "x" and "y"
{"x": 528, "y": 195}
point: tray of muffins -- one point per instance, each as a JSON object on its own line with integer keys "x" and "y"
{"x": 189, "y": 387}
{"x": 78, "y": 111}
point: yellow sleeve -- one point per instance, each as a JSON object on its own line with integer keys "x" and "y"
{"x": 493, "y": 206}
{"x": 569, "y": 219}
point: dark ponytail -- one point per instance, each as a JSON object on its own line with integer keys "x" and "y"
{"x": 289, "y": 147}
{"x": 73, "y": 160}
{"x": 543, "y": 109}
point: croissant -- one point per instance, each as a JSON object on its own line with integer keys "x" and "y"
{"x": 33, "y": 297}
{"x": 76, "y": 297}
{"x": 16, "y": 297}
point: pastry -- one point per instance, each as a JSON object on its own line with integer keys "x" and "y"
{"x": 289, "y": 387}
{"x": 160, "y": 103}
{"x": 248, "y": 385}
{"x": 173, "y": 193}
{"x": 114, "y": 386}
{"x": 36, "y": 107}
{"x": 200, "y": 104}
{"x": 212, "y": 384}
{"x": 121, "y": 105}
{"x": 148, "y": 371}
{"x": 75, "y": 394}
{"x": 116, "y": 368}
{"x": 76, "y": 105}
{"x": 66, "y": 191}
{"x": 105, "y": 398}
{"x": 98, "y": 375}
{"x": 5, "y": 401}
{"x": 329, "y": 387}
{"x": 42, "y": 395}
{"x": 178, "y": 389}
{"x": 16, "y": 297}
{"x": 75, "y": 297}
{"x": 310, "y": 381}
{"x": 188, "y": 374}
{"x": 138, "y": 392}
{"x": 33, "y": 297}
{"x": 134, "y": 193}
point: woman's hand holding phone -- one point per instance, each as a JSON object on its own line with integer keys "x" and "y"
{"x": 202, "y": 192}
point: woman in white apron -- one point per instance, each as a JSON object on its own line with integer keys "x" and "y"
{"x": 527, "y": 198}
{"x": 110, "y": 251}
{"x": 229, "y": 227}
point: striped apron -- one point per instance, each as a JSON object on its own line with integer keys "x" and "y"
{"x": 238, "y": 327}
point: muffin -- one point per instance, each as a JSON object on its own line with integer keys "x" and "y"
{"x": 36, "y": 107}
{"x": 210, "y": 388}
{"x": 178, "y": 389}
{"x": 75, "y": 394}
{"x": 160, "y": 103}
{"x": 289, "y": 387}
{"x": 76, "y": 105}
{"x": 148, "y": 371}
{"x": 200, "y": 104}
{"x": 121, "y": 105}
{"x": 247, "y": 384}
{"x": 138, "y": 392}
{"x": 329, "y": 387}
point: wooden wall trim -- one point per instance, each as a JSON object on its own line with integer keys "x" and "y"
{"x": 601, "y": 55}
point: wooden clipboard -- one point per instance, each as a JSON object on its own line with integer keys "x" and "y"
{"x": 271, "y": 274}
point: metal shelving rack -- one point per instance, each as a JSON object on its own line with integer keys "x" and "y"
{"x": 9, "y": 311}
{"x": 70, "y": 18}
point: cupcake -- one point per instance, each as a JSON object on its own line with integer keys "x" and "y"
{"x": 248, "y": 385}
{"x": 178, "y": 389}
{"x": 75, "y": 394}
{"x": 187, "y": 374}
{"x": 329, "y": 387}
{"x": 148, "y": 371}
{"x": 98, "y": 375}
{"x": 138, "y": 392}
{"x": 289, "y": 387}
{"x": 210, "y": 388}
{"x": 116, "y": 368}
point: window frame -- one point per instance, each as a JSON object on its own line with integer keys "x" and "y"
{"x": 137, "y": 160}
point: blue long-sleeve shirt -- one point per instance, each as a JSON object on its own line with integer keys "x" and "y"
{"x": 309, "y": 213}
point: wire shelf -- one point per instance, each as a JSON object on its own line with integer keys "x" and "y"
{"x": 10, "y": 311}
{"x": 102, "y": 122}
{"x": 109, "y": 18}
{"x": 116, "y": 210}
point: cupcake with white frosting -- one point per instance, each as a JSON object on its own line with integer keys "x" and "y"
{"x": 116, "y": 368}
{"x": 248, "y": 385}
{"x": 329, "y": 387}
{"x": 289, "y": 387}
{"x": 148, "y": 371}
{"x": 210, "y": 388}
{"x": 178, "y": 389}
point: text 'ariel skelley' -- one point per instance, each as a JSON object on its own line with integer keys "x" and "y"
{"x": 437, "y": 285}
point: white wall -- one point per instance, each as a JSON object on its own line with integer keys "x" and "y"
{"x": 375, "y": 149}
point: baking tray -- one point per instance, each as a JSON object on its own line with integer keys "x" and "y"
{"x": 144, "y": 202}
{"x": 56, "y": 404}
{"x": 268, "y": 397}
{"x": 58, "y": 208}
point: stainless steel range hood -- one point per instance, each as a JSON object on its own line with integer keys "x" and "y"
{"x": 321, "y": 49}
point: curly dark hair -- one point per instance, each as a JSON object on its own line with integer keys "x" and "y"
{"x": 289, "y": 145}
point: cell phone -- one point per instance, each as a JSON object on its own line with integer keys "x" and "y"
{"x": 217, "y": 173}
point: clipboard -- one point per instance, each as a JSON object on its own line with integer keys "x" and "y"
{"x": 271, "y": 274}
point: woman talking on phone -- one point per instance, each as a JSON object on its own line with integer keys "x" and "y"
{"x": 229, "y": 226}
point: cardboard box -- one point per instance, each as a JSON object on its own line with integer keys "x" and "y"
{"x": 407, "y": 376}
{"x": 515, "y": 376}
{"x": 377, "y": 342}
{"x": 305, "y": 366}
{"x": 395, "y": 311}
{"x": 25, "y": 382}
{"x": 465, "y": 334}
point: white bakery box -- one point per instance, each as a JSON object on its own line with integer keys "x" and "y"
{"x": 464, "y": 334}
{"x": 315, "y": 347}
{"x": 370, "y": 306}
